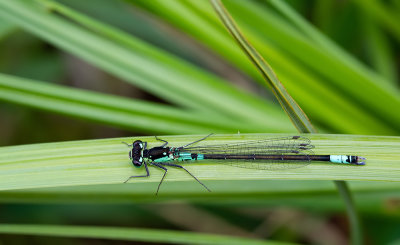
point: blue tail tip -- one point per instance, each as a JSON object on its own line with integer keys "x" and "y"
{"x": 361, "y": 161}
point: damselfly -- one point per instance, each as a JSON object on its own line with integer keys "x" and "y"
{"x": 267, "y": 154}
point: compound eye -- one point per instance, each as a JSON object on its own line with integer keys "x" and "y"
{"x": 137, "y": 163}
{"x": 137, "y": 153}
{"x": 138, "y": 144}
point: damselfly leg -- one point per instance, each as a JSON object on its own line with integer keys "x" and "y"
{"x": 196, "y": 141}
{"x": 165, "y": 173}
{"x": 181, "y": 167}
{"x": 163, "y": 145}
{"x": 138, "y": 176}
{"x": 128, "y": 145}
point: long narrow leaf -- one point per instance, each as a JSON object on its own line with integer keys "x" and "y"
{"x": 113, "y": 110}
{"x": 163, "y": 75}
{"x": 292, "y": 109}
{"x": 298, "y": 117}
{"x": 333, "y": 109}
{"x": 318, "y": 38}
{"x": 106, "y": 162}
{"x": 129, "y": 234}
{"x": 382, "y": 14}
{"x": 379, "y": 50}
{"x": 5, "y": 29}
{"x": 353, "y": 82}
{"x": 370, "y": 195}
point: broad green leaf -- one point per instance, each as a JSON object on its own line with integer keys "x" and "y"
{"x": 106, "y": 162}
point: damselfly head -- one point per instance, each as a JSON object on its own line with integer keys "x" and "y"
{"x": 136, "y": 154}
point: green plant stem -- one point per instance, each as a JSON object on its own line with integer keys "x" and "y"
{"x": 289, "y": 105}
{"x": 355, "y": 224}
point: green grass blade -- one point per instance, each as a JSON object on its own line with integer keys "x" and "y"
{"x": 295, "y": 113}
{"x": 384, "y": 15}
{"x": 113, "y": 110}
{"x": 318, "y": 38}
{"x": 322, "y": 15}
{"x": 364, "y": 82}
{"x": 356, "y": 230}
{"x": 370, "y": 196}
{"x": 379, "y": 50}
{"x": 333, "y": 109}
{"x": 155, "y": 71}
{"x": 310, "y": 91}
{"x": 129, "y": 234}
{"x": 106, "y": 162}
{"x": 5, "y": 29}
{"x": 191, "y": 18}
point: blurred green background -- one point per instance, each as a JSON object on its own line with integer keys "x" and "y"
{"x": 172, "y": 68}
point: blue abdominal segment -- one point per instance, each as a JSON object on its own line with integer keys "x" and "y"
{"x": 181, "y": 156}
{"x": 185, "y": 156}
{"x": 340, "y": 159}
{"x": 164, "y": 159}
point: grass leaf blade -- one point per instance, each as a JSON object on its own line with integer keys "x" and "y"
{"x": 295, "y": 113}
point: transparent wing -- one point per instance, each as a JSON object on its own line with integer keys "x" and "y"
{"x": 264, "y": 146}
{"x": 296, "y": 145}
{"x": 270, "y": 164}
